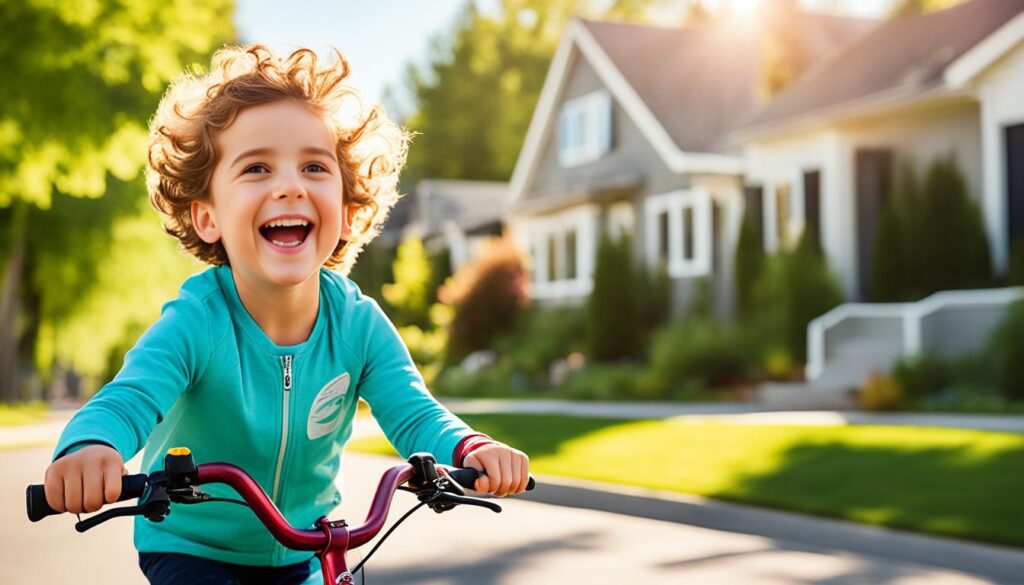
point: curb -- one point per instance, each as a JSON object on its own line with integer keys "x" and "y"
{"x": 992, "y": 561}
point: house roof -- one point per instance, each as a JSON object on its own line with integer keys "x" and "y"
{"x": 906, "y": 56}
{"x": 466, "y": 204}
{"x": 684, "y": 88}
{"x": 701, "y": 82}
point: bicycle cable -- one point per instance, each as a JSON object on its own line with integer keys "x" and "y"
{"x": 383, "y": 538}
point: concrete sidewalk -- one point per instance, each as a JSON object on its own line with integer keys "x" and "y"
{"x": 735, "y": 413}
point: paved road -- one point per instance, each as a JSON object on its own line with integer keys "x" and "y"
{"x": 529, "y": 542}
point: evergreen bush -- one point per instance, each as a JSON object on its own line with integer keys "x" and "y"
{"x": 1015, "y": 269}
{"x": 795, "y": 288}
{"x": 1006, "y": 353}
{"x": 748, "y": 267}
{"x": 929, "y": 240}
{"x": 613, "y": 309}
{"x": 698, "y": 353}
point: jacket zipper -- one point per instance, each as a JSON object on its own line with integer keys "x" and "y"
{"x": 286, "y": 362}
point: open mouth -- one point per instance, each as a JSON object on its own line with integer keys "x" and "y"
{"x": 286, "y": 233}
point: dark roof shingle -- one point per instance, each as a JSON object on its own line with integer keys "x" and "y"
{"x": 908, "y": 53}
{"x": 700, "y": 82}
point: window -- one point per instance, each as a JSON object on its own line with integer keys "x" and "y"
{"x": 688, "y": 234}
{"x": 812, "y": 205}
{"x": 782, "y": 222}
{"x": 570, "y": 255}
{"x": 663, "y": 242}
{"x": 552, "y": 258}
{"x": 679, "y": 232}
{"x": 585, "y": 129}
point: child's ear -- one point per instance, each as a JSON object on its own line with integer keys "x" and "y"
{"x": 205, "y": 222}
{"x": 348, "y": 215}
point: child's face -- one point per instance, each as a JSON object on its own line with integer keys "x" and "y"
{"x": 275, "y": 195}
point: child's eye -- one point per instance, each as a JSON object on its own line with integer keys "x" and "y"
{"x": 316, "y": 168}
{"x": 257, "y": 168}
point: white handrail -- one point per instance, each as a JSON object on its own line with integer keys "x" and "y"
{"x": 910, "y": 314}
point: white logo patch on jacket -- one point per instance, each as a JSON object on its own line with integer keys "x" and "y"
{"x": 325, "y": 414}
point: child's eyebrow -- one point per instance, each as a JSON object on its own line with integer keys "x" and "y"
{"x": 267, "y": 150}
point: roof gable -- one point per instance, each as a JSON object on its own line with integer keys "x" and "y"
{"x": 684, "y": 88}
{"x": 903, "y": 56}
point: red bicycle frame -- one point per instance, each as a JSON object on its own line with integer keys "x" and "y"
{"x": 334, "y": 539}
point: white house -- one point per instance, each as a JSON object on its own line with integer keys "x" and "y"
{"x": 629, "y": 135}
{"x": 914, "y": 88}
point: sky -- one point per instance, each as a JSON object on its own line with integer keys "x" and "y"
{"x": 380, "y": 37}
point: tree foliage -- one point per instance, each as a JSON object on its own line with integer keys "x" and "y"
{"x": 488, "y": 295}
{"x": 930, "y": 239}
{"x": 84, "y": 77}
{"x": 474, "y": 100}
{"x": 410, "y": 295}
{"x": 748, "y": 268}
{"x": 795, "y": 288}
{"x": 614, "y": 319}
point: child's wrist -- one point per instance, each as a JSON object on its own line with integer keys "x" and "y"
{"x": 468, "y": 444}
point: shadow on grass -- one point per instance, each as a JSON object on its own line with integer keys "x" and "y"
{"x": 538, "y": 435}
{"x": 951, "y": 490}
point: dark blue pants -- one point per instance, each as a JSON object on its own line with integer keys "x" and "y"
{"x": 174, "y": 568}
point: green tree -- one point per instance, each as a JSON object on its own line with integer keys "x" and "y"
{"x": 85, "y": 79}
{"x": 410, "y": 296}
{"x": 473, "y": 102}
{"x": 957, "y": 254}
{"x": 613, "y": 308}
{"x": 748, "y": 268}
{"x": 795, "y": 288}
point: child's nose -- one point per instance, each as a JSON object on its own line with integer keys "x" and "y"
{"x": 289, "y": 185}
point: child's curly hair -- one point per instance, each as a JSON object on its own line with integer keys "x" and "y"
{"x": 370, "y": 147}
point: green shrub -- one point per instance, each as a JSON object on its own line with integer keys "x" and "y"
{"x": 697, "y": 353}
{"x": 795, "y": 288}
{"x": 1015, "y": 269}
{"x": 542, "y": 337}
{"x": 923, "y": 375}
{"x": 930, "y": 240}
{"x": 373, "y": 270}
{"x": 606, "y": 382}
{"x": 1006, "y": 353}
{"x": 881, "y": 392}
{"x": 613, "y": 308}
{"x": 410, "y": 295}
{"x": 488, "y": 295}
{"x": 748, "y": 267}
{"x": 654, "y": 293}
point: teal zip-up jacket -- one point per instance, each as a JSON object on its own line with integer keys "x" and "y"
{"x": 205, "y": 376}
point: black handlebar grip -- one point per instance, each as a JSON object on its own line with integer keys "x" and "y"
{"x": 467, "y": 478}
{"x": 132, "y": 487}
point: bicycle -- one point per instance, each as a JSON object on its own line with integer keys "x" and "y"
{"x": 436, "y": 486}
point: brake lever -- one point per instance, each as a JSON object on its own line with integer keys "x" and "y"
{"x": 444, "y": 501}
{"x": 155, "y": 506}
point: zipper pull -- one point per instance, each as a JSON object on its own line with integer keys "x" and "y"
{"x": 287, "y": 372}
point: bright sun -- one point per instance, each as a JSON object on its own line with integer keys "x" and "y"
{"x": 745, "y": 9}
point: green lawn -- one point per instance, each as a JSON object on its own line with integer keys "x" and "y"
{"x": 953, "y": 482}
{"x": 21, "y": 414}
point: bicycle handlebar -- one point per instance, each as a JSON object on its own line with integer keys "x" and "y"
{"x": 132, "y": 487}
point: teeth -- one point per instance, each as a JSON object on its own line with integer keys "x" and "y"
{"x": 286, "y": 244}
{"x": 286, "y": 223}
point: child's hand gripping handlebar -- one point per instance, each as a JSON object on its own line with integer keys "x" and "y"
{"x": 435, "y": 486}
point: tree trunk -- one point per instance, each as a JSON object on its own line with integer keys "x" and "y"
{"x": 10, "y": 288}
